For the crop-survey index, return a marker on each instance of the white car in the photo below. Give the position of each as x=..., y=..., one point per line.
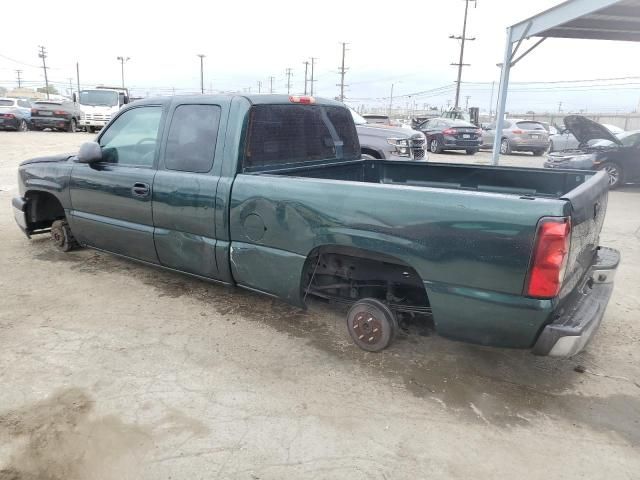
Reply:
x=566, y=141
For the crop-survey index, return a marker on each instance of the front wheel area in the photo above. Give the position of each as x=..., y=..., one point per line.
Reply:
x=62, y=237
x=614, y=172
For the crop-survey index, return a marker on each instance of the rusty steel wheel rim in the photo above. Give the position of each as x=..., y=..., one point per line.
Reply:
x=367, y=327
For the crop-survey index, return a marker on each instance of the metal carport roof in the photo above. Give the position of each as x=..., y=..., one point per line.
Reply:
x=585, y=19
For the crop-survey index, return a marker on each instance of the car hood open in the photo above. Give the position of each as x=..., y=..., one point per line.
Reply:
x=584, y=130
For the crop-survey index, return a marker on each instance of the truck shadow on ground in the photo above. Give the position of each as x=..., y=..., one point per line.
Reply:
x=498, y=387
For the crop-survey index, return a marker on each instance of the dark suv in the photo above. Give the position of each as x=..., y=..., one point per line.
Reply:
x=55, y=114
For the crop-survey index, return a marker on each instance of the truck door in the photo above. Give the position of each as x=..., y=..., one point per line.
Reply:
x=111, y=200
x=184, y=189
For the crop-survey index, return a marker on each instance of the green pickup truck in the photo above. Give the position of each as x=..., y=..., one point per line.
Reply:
x=270, y=193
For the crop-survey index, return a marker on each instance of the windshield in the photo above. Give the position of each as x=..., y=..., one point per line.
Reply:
x=357, y=118
x=106, y=98
x=6, y=103
x=530, y=126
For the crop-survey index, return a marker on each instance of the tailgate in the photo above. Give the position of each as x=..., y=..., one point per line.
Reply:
x=588, y=205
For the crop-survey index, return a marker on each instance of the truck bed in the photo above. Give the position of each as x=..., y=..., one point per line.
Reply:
x=509, y=180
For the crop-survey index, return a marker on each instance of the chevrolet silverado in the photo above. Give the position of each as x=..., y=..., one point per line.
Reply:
x=271, y=193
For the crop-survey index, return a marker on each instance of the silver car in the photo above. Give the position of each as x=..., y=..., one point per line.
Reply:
x=567, y=141
x=518, y=135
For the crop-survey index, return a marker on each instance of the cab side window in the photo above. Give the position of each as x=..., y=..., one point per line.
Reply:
x=132, y=139
x=191, y=143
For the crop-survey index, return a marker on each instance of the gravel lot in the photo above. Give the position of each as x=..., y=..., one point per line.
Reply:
x=112, y=370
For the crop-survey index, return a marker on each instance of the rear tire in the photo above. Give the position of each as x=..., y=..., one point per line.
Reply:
x=62, y=237
x=434, y=146
x=23, y=127
x=91, y=129
x=371, y=324
x=537, y=153
x=366, y=156
x=72, y=126
x=615, y=173
x=472, y=151
x=505, y=147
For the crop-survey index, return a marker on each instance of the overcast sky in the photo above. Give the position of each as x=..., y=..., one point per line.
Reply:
x=403, y=42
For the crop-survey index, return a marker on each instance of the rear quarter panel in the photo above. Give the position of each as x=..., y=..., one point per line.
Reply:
x=471, y=249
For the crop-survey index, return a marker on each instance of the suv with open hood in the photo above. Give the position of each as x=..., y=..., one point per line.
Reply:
x=618, y=155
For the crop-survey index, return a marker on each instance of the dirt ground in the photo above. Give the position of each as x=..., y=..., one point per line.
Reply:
x=111, y=370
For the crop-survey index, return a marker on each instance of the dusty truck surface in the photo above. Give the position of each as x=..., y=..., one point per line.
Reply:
x=271, y=193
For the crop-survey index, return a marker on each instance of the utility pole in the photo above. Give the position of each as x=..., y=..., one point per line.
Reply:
x=201, y=72
x=78, y=76
x=43, y=55
x=391, y=99
x=493, y=84
x=19, y=72
x=462, y=39
x=306, y=67
x=271, y=84
x=288, y=81
x=122, y=61
x=342, y=71
x=70, y=86
x=259, y=86
x=559, y=107
x=466, y=104
x=313, y=63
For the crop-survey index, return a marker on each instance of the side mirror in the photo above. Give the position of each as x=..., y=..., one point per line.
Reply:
x=75, y=98
x=126, y=99
x=90, y=152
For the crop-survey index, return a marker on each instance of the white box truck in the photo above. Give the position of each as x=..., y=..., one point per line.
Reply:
x=99, y=104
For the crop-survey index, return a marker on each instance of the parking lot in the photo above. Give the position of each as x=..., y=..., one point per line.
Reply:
x=114, y=370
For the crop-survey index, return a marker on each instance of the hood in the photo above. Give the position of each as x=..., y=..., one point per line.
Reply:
x=51, y=158
x=584, y=130
x=386, y=131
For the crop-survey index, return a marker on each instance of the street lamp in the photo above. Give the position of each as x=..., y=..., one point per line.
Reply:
x=122, y=61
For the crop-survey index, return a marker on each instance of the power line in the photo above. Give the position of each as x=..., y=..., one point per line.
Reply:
x=43, y=55
x=342, y=71
x=463, y=38
x=288, y=81
x=306, y=67
x=313, y=63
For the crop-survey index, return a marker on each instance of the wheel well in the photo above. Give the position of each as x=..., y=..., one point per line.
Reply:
x=346, y=274
x=43, y=209
x=369, y=151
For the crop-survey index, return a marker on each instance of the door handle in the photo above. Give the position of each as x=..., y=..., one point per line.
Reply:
x=140, y=189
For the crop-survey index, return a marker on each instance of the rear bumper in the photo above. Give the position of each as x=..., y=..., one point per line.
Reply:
x=12, y=123
x=93, y=123
x=580, y=317
x=50, y=122
x=527, y=145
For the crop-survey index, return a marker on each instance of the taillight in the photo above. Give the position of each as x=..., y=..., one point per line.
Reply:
x=550, y=254
x=479, y=131
x=449, y=131
x=9, y=115
x=518, y=132
x=59, y=112
x=33, y=111
x=301, y=99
